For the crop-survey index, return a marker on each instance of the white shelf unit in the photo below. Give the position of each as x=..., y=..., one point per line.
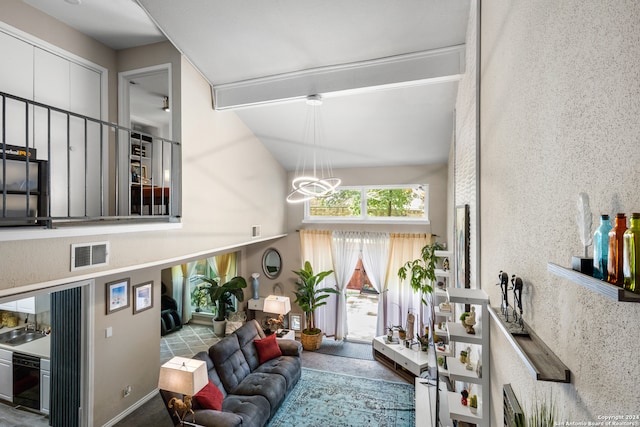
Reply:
x=457, y=371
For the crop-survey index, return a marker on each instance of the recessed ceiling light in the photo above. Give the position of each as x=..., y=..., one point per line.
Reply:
x=74, y=2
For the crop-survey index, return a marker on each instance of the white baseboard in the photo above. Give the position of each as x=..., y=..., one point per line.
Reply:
x=131, y=409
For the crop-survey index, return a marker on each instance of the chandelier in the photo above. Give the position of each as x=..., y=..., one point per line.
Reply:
x=318, y=181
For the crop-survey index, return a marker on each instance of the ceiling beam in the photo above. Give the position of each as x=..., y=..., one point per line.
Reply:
x=421, y=67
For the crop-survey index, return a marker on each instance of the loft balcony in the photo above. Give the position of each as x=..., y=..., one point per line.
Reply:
x=58, y=167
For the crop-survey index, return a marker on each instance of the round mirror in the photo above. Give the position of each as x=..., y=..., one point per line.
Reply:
x=271, y=263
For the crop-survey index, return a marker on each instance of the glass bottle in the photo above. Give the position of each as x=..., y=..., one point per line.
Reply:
x=631, y=258
x=601, y=248
x=614, y=264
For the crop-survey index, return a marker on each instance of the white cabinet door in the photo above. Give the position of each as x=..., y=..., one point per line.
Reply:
x=8, y=306
x=16, y=78
x=33, y=305
x=45, y=385
x=6, y=375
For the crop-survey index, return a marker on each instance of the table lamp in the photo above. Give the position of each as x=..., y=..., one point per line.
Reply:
x=278, y=305
x=184, y=376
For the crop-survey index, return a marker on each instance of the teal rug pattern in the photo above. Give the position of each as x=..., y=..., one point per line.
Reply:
x=354, y=350
x=322, y=399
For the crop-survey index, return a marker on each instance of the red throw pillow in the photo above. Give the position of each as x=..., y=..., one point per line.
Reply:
x=268, y=348
x=210, y=397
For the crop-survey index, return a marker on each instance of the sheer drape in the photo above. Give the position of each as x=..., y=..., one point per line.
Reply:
x=176, y=284
x=346, y=252
x=223, y=262
x=187, y=270
x=400, y=299
x=315, y=247
x=375, y=257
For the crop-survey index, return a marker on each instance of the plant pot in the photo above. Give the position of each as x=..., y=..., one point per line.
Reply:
x=311, y=342
x=218, y=327
x=473, y=410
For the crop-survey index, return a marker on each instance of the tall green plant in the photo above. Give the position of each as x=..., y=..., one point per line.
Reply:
x=422, y=271
x=221, y=294
x=309, y=297
x=542, y=415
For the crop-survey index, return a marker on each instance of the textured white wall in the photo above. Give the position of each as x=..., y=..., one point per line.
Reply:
x=559, y=115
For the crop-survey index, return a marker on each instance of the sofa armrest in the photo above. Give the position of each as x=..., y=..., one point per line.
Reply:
x=290, y=347
x=211, y=418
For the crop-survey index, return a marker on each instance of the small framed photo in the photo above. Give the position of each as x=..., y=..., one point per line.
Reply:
x=142, y=297
x=295, y=322
x=117, y=295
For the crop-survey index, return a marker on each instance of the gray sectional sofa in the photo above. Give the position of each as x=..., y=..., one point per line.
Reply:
x=252, y=391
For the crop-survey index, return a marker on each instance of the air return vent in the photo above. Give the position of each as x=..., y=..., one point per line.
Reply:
x=86, y=255
x=256, y=231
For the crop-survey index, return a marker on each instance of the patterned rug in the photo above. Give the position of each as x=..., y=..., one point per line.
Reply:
x=322, y=399
x=354, y=350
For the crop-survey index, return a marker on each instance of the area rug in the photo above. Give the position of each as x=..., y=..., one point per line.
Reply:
x=322, y=399
x=355, y=350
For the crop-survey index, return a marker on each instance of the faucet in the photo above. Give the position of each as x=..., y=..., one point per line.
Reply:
x=30, y=326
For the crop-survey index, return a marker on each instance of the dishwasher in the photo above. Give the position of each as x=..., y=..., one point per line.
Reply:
x=26, y=380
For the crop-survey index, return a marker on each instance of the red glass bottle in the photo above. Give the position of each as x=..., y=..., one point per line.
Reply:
x=616, y=242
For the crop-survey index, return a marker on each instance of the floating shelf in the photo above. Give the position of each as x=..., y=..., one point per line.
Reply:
x=462, y=413
x=457, y=332
x=467, y=296
x=604, y=288
x=541, y=362
x=443, y=254
x=458, y=371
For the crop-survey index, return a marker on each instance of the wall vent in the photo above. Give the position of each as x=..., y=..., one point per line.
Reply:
x=86, y=255
x=256, y=231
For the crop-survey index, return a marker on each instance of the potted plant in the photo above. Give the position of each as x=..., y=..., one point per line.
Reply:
x=221, y=296
x=310, y=297
x=422, y=274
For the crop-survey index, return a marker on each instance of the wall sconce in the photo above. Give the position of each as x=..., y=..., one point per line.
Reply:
x=183, y=376
x=165, y=104
x=278, y=305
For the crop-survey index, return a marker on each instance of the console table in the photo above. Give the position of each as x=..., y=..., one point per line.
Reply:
x=408, y=362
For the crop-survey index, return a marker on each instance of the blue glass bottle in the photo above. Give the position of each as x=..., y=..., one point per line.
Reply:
x=601, y=248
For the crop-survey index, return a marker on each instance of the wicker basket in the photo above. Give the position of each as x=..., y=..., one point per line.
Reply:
x=311, y=342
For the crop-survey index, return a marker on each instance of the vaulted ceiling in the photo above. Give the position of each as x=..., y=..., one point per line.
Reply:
x=387, y=71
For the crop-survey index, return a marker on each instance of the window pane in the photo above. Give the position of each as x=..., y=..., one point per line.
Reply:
x=395, y=202
x=342, y=203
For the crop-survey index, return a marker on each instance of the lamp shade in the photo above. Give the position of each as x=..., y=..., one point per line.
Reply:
x=184, y=376
x=277, y=304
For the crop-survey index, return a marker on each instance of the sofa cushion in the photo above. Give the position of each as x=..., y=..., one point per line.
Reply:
x=213, y=374
x=289, y=367
x=229, y=361
x=271, y=386
x=249, y=332
x=254, y=410
x=267, y=348
x=210, y=397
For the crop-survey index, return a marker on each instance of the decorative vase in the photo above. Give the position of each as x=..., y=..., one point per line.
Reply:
x=631, y=258
x=255, y=285
x=616, y=239
x=601, y=248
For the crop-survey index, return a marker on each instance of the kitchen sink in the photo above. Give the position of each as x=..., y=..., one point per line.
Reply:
x=19, y=336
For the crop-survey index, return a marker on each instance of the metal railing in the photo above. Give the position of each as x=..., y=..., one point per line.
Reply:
x=57, y=166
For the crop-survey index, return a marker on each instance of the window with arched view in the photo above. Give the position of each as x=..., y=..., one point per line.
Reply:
x=371, y=203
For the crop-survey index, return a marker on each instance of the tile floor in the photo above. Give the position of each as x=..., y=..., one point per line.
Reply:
x=188, y=341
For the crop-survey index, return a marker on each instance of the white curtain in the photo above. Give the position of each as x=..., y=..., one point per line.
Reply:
x=346, y=252
x=400, y=299
x=315, y=247
x=187, y=271
x=375, y=257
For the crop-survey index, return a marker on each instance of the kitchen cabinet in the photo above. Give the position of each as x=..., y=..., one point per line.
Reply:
x=8, y=306
x=6, y=375
x=45, y=384
x=34, y=305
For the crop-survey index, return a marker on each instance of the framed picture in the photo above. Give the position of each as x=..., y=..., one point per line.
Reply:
x=462, y=246
x=117, y=295
x=142, y=297
x=295, y=322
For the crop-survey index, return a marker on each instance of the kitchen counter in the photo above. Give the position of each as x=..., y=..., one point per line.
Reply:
x=40, y=347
